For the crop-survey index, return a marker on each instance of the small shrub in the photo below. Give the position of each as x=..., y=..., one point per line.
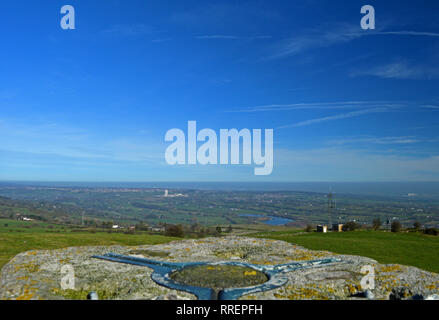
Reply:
x=431, y=231
x=140, y=226
x=309, y=228
x=174, y=231
x=202, y=233
x=396, y=226
x=351, y=226
x=376, y=223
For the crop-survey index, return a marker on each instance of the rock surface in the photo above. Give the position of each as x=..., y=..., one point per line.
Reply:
x=37, y=274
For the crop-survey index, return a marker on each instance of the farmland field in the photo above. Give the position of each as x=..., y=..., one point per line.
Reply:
x=16, y=238
x=409, y=248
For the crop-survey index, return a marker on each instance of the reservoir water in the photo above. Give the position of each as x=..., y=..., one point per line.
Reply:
x=273, y=221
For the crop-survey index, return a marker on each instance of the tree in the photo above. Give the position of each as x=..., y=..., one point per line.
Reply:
x=107, y=224
x=194, y=227
x=202, y=233
x=417, y=226
x=218, y=230
x=351, y=226
x=396, y=226
x=172, y=230
x=309, y=228
x=141, y=226
x=376, y=223
x=229, y=229
x=431, y=231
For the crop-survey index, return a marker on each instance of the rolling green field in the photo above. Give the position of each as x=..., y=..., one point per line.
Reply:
x=413, y=249
x=16, y=238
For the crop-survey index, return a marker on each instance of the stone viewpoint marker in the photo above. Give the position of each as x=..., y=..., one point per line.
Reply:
x=37, y=274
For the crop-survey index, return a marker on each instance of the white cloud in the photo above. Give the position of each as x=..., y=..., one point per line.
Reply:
x=342, y=164
x=375, y=140
x=51, y=139
x=323, y=106
x=400, y=70
x=315, y=39
x=325, y=37
x=431, y=107
x=410, y=33
x=341, y=116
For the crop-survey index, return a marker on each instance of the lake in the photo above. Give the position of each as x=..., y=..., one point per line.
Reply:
x=273, y=221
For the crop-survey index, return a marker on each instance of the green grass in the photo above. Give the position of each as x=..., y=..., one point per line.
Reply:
x=413, y=249
x=22, y=239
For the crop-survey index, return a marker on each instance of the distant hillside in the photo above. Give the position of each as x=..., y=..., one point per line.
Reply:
x=37, y=210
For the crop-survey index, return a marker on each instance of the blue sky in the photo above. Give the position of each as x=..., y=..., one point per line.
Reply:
x=94, y=104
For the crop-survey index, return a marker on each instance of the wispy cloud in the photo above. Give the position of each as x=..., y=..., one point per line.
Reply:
x=322, y=106
x=326, y=164
x=315, y=39
x=401, y=140
x=325, y=37
x=400, y=70
x=434, y=107
x=409, y=33
x=161, y=40
x=52, y=139
x=340, y=116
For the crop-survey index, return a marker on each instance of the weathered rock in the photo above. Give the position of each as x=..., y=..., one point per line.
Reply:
x=368, y=294
x=400, y=293
x=37, y=274
x=169, y=296
x=92, y=296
